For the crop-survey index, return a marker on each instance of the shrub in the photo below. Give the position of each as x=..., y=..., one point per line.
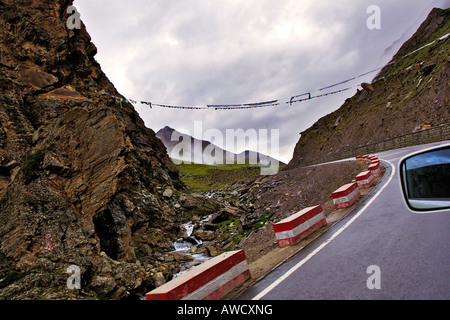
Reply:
x=31, y=165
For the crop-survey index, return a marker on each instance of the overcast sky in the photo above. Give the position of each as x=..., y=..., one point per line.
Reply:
x=200, y=52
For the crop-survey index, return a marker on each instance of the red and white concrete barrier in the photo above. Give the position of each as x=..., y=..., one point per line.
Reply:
x=295, y=228
x=365, y=179
x=346, y=195
x=364, y=158
x=211, y=280
x=369, y=159
x=375, y=169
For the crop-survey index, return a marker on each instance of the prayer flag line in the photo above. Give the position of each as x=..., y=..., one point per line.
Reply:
x=291, y=100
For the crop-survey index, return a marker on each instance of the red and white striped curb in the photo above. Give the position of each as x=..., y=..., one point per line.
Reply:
x=295, y=228
x=346, y=195
x=375, y=169
x=366, y=158
x=211, y=280
x=365, y=179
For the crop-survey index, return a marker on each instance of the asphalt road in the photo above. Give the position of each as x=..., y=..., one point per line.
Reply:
x=411, y=252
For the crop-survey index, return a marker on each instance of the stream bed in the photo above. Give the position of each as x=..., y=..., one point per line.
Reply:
x=184, y=246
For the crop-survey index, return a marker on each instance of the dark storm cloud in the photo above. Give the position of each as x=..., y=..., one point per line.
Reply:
x=199, y=52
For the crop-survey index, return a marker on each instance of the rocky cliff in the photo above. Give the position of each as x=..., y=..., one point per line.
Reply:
x=81, y=178
x=406, y=102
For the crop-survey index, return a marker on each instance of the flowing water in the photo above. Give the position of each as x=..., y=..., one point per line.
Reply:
x=184, y=246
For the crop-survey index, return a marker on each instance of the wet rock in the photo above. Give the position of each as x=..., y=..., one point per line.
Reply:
x=204, y=235
x=193, y=249
x=209, y=226
x=182, y=257
x=189, y=239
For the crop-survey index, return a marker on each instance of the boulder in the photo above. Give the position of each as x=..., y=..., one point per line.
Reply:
x=102, y=284
x=158, y=279
x=182, y=257
x=194, y=201
x=204, y=235
x=367, y=86
x=212, y=252
x=227, y=213
x=167, y=193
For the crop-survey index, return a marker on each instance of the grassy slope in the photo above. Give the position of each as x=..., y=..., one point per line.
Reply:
x=202, y=178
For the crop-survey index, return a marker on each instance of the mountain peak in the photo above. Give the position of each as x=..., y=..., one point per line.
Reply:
x=166, y=128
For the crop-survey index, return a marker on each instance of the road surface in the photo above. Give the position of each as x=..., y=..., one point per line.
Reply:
x=380, y=251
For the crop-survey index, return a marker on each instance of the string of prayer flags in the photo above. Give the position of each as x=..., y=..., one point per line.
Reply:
x=318, y=96
x=260, y=104
x=336, y=84
x=333, y=92
x=291, y=100
x=147, y=103
x=245, y=105
x=228, y=107
x=268, y=103
x=398, y=71
x=365, y=73
x=178, y=107
x=300, y=95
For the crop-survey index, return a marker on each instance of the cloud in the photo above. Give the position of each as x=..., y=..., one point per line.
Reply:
x=199, y=52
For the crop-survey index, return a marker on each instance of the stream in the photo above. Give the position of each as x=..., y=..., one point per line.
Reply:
x=184, y=246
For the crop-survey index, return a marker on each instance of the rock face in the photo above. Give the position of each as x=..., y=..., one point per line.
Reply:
x=81, y=177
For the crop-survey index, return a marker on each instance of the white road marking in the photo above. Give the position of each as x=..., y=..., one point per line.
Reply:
x=313, y=253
